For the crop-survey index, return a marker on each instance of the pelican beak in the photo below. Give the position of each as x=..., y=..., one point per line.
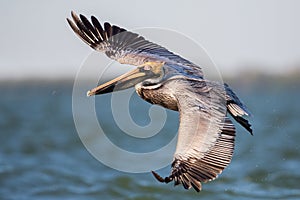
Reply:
x=122, y=82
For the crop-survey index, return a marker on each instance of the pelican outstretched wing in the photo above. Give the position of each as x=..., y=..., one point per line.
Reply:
x=205, y=137
x=124, y=46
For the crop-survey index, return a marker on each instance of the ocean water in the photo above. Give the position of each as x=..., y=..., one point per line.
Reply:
x=42, y=157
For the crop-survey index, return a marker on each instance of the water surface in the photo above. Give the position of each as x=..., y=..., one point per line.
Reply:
x=42, y=157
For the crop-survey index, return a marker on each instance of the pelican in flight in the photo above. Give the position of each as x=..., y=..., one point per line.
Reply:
x=206, y=134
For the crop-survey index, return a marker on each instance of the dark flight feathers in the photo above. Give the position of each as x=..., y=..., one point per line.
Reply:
x=122, y=45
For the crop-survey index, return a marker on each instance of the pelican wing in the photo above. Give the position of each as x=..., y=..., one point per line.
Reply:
x=205, y=137
x=124, y=46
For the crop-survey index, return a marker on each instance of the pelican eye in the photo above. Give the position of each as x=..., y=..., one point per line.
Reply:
x=147, y=67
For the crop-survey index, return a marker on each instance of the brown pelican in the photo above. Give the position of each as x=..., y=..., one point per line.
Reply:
x=206, y=135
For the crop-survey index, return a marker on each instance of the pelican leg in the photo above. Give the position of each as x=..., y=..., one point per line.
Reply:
x=161, y=179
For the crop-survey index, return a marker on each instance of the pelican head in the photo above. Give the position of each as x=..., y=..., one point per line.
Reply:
x=149, y=73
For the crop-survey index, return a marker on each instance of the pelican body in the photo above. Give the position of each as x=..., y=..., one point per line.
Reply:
x=206, y=134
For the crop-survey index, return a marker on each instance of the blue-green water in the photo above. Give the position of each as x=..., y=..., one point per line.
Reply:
x=42, y=157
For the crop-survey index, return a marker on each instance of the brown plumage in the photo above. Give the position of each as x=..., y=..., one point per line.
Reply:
x=206, y=135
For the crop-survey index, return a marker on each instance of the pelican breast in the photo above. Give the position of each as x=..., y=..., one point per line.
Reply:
x=160, y=94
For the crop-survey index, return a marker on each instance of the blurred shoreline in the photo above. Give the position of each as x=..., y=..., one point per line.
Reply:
x=246, y=80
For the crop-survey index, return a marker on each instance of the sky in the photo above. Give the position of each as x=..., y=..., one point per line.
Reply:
x=250, y=35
